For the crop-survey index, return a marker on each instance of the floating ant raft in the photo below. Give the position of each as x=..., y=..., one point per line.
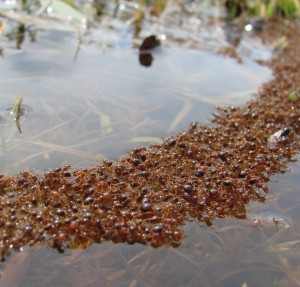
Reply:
x=146, y=197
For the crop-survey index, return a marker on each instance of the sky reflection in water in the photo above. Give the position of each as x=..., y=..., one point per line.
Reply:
x=104, y=102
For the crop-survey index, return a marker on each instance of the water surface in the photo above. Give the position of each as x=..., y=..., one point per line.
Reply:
x=104, y=102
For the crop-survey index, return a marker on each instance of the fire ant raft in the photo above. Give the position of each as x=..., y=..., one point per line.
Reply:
x=147, y=196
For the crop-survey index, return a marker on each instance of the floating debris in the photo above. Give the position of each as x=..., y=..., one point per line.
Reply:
x=269, y=220
x=278, y=136
x=149, y=43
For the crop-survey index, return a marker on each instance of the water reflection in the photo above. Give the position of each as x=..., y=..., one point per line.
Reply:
x=145, y=59
x=81, y=115
x=19, y=33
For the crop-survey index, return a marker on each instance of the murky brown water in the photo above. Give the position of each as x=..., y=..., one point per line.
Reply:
x=105, y=103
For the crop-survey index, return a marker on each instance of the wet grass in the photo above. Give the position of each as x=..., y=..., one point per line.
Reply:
x=265, y=9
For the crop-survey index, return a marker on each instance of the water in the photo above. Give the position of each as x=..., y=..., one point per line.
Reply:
x=103, y=104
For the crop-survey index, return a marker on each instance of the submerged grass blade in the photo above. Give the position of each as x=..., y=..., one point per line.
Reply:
x=146, y=139
x=184, y=111
x=16, y=111
x=285, y=246
x=79, y=43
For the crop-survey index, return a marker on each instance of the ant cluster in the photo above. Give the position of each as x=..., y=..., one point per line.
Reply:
x=146, y=197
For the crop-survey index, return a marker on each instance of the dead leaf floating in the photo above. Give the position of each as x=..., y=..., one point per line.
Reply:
x=149, y=43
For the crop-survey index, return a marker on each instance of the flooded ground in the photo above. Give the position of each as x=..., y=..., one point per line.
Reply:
x=102, y=104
